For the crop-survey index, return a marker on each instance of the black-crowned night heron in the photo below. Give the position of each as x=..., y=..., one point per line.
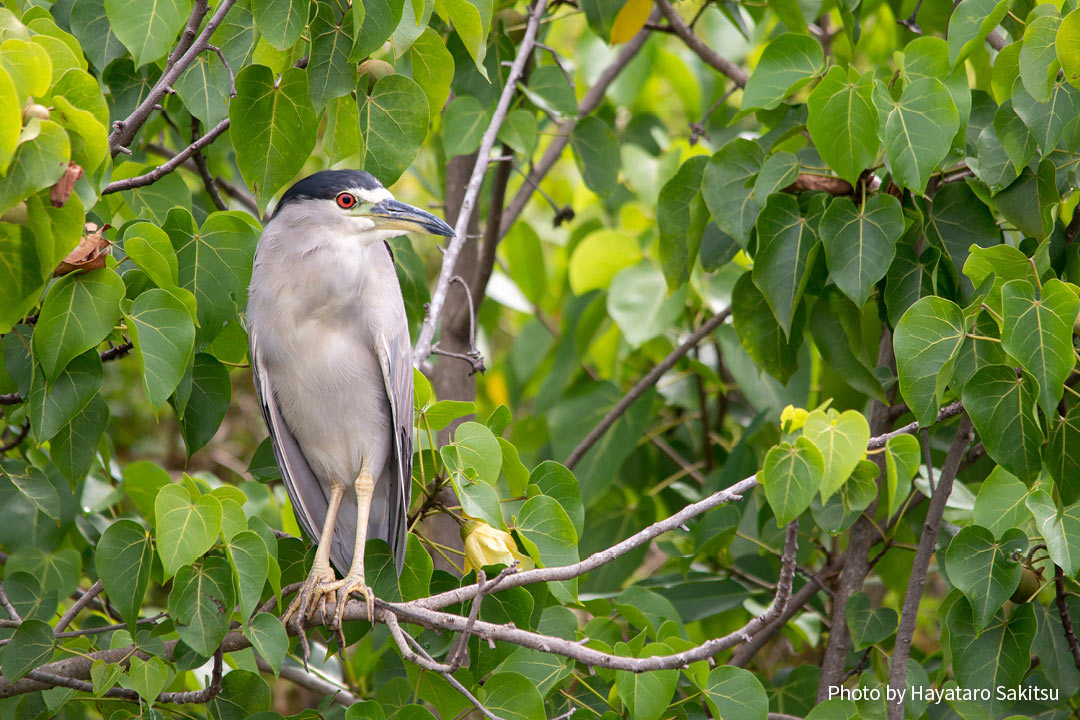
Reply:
x=333, y=370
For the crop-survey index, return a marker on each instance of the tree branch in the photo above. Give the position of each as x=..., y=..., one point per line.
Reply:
x=427, y=332
x=927, y=543
x=589, y=102
x=162, y=170
x=1066, y=618
x=186, y=51
x=650, y=379
x=706, y=53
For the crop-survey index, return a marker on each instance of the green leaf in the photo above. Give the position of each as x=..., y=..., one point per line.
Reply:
x=917, y=130
x=210, y=393
x=444, y=412
x=36, y=488
x=342, y=137
x=842, y=439
x=148, y=246
x=639, y=304
x=598, y=257
x=860, y=242
x=205, y=88
x=123, y=558
x=474, y=448
x=164, y=338
x=1038, y=57
x=376, y=21
x=970, y=24
x=185, y=529
x=79, y=312
x=30, y=647
x=513, y=697
x=926, y=342
x=142, y=482
x=280, y=21
x=842, y=122
x=464, y=123
x=148, y=30
x=556, y=481
x=999, y=656
x=147, y=677
x=433, y=69
x=104, y=676
x=1004, y=262
x=519, y=131
x=648, y=694
x=75, y=446
x=1002, y=405
x=681, y=216
x=273, y=127
x=1000, y=504
x=779, y=170
x=792, y=475
x=525, y=253
x=30, y=70
x=549, y=88
x=787, y=248
x=201, y=602
x=728, y=191
x=830, y=324
x=775, y=351
x=788, y=62
x=1062, y=455
x=330, y=74
x=251, y=563
x=393, y=124
x=415, y=581
x=1067, y=46
x=597, y=154
x=549, y=536
x=269, y=638
x=1038, y=333
x=1047, y=120
x=214, y=263
x=986, y=570
x=10, y=118
x=38, y=163
x=1060, y=529
x=869, y=627
x=902, y=462
x=53, y=408
x=735, y=692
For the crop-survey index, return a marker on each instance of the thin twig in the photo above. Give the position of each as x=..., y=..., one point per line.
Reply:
x=927, y=543
x=18, y=439
x=589, y=102
x=706, y=53
x=162, y=170
x=78, y=606
x=442, y=287
x=1066, y=618
x=204, y=172
x=11, y=611
x=186, y=51
x=650, y=379
x=310, y=681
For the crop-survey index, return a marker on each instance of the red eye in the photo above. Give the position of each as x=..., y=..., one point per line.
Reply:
x=346, y=200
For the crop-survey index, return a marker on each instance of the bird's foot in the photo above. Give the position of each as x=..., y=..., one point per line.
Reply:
x=346, y=587
x=319, y=588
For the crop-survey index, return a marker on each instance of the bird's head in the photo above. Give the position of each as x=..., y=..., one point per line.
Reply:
x=354, y=205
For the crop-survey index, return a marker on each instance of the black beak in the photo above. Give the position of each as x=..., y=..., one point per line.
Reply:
x=398, y=215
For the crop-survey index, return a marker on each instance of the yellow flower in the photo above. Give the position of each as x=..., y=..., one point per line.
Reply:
x=485, y=545
x=792, y=418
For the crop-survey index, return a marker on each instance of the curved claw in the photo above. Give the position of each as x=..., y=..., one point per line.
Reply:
x=318, y=589
x=344, y=589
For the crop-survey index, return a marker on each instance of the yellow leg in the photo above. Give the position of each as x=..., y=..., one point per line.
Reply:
x=354, y=581
x=319, y=586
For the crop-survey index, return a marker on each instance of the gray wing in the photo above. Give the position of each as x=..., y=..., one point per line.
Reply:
x=305, y=491
x=395, y=359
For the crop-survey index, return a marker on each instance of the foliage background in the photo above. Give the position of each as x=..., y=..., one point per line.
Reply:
x=821, y=252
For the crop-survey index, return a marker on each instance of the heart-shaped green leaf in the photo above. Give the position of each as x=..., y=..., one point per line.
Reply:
x=1062, y=454
x=868, y=627
x=860, y=242
x=646, y=694
x=842, y=439
x=268, y=637
x=164, y=338
x=251, y=563
x=984, y=569
x=901, y=463
x=843, y=122
x=124, y=558
x=787, y=248
x=917, y=130
x=30, y=647
x=79, y=311
x=1060, y=529
x=926, y=342
x=147, y=677
x=1038, y=333
x=792, y=474
x=185, y=529
x=736, y=693
x=201, y=603
x=1002, y=405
